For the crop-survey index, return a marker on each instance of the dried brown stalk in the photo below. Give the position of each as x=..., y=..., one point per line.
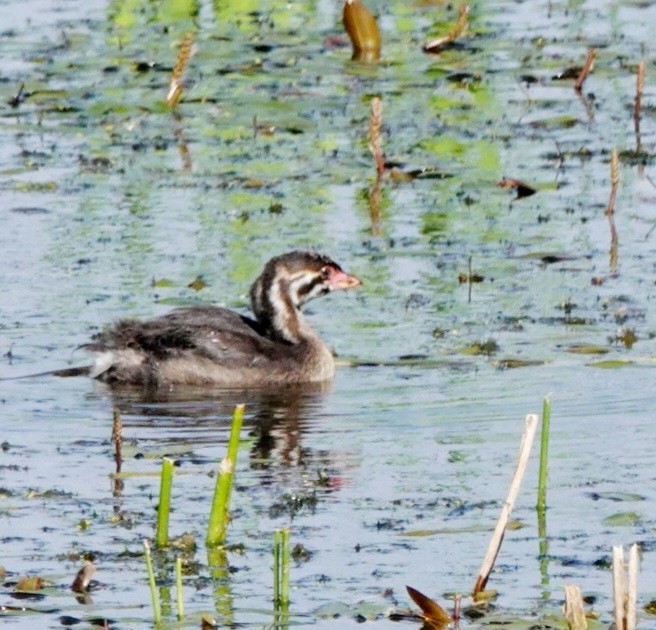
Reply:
x=614, y=182
x=586, y=70
x=436, y=45
x=574, y=613
x=375, y=126
x=640, y=88
x=530, y=425
x=610, y=209
x=117, y=438
x=360, y=24
x=175, y=85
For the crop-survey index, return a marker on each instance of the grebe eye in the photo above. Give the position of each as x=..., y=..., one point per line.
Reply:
x=326, y=272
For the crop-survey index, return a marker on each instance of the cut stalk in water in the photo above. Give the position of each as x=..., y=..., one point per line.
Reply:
x=530, y=425
x=574, y=612
x=220, y=514
x=544, y=455
x=164, y=506
x=625, y=587
x=178, y=588
x=154, y=598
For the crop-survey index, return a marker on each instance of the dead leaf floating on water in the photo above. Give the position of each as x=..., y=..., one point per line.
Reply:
x=431, y=612
x=361, y=27
x=522, y=188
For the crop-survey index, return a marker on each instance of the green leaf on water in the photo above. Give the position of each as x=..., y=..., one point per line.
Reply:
x=611, y=364
x=582, y=348
x=622, y=519
x=163, y=282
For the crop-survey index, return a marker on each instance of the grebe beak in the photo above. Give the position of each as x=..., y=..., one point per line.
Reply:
x=340, y=280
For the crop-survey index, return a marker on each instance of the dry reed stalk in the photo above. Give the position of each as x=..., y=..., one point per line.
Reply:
x=632, y=590
x=574, y=613
x=619, y=587
x=375, y=126
x=436, y=45
x=640, y=88
x=117, y=438
x=610, y=209
x=530, y=426
x=586, y=70
x=175, y=85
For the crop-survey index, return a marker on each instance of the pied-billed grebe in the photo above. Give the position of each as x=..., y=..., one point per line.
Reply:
x=209, y=345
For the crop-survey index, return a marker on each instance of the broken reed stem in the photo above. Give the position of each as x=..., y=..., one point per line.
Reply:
x=640, y=88
x=574, y=612
x=175, y=85
x=164, y=505
x=587, y=68
x=178, y=588
x=154, y=598
x=435, y=45
x=618, y=586
x=220, y=513
x=632, y=594
x=375, y=126
x=544, y=455
x=530, y=426
x=625, y=588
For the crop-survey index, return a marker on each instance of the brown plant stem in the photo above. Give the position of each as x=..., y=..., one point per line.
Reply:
x=610, y=209
x=640, y=88
x=175, y=85
x=375, y=126
x=587, y=68
x=436, y=45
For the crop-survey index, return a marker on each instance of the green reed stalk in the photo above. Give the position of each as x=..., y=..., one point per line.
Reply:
x=281, y=569
x=178, y=587
x=277, y=554
x=284, y=587
x=220, y=514
x=157, y=613
x=544, y=455
x=164, y=507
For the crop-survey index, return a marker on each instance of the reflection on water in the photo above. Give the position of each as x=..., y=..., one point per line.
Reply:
x=275, y=418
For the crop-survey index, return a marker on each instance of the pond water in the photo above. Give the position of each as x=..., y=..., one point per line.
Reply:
x=113, y=205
